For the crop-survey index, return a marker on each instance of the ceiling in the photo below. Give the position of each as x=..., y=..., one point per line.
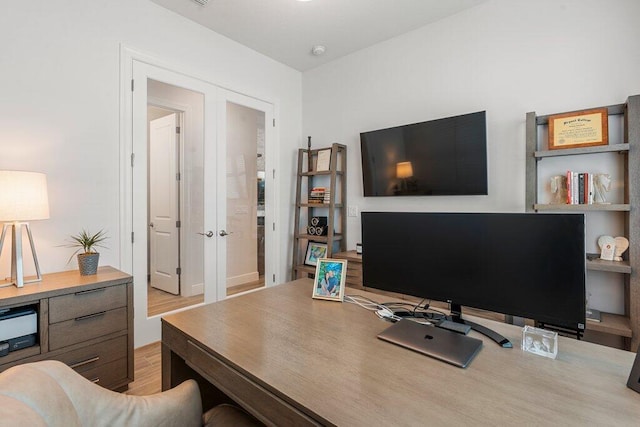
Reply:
x=287, y=30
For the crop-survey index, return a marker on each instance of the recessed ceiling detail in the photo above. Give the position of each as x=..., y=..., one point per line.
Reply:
x=284, y=29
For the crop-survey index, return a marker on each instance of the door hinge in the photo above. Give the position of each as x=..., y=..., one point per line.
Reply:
x=178, y=271
x=133, y=156
x=178, y=129
x=273, y=280
x=132, y=237
x=274, y=226
x=131, y=85
x=178, y=176
x=178, y=224
x=274, y=122
x=273, y=174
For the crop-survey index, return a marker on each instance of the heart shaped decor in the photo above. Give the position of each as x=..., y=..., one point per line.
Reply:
x=603, y=241
x=622, y=244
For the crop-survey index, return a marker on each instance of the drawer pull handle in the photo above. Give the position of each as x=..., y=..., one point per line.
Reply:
x=90, y=291
x=85, y=362
x=89, y=316
x=95, y=380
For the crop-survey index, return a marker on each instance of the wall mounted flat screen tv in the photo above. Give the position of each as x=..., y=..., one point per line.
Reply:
x=444, y=157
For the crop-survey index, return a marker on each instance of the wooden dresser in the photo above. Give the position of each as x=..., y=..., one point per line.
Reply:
x=354, y=268
x=83, y=321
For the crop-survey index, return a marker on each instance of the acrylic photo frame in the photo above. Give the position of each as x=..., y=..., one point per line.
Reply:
x=540, y=341
x=330, y=279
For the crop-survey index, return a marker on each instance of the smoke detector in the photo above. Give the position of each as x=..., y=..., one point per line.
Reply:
x=318, y=50
x=202, y=2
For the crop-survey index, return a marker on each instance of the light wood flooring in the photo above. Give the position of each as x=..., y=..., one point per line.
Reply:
x=148, y=370
x=147, y=359
x=163, y=302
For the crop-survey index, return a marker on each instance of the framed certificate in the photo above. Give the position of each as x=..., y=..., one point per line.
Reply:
x=324, y=160
x=578, y=129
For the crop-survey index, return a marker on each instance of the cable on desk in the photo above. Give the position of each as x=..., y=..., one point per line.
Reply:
x=371, y=305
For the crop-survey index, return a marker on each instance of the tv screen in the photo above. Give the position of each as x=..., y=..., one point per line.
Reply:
x=434, y=158
x=520, y=264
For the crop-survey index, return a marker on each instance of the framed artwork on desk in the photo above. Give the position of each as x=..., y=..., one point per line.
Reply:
x=330, y=279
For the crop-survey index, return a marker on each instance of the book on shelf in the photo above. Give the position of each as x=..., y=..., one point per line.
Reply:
x=580, y=189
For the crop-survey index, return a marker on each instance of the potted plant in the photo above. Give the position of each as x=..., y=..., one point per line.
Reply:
x=88, y=258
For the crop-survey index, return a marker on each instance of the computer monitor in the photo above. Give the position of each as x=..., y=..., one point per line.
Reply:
x=521, y=264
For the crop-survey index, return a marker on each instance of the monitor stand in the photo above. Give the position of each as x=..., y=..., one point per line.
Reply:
x=456, y=316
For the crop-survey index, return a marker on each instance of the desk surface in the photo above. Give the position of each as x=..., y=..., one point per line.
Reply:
x=323, y=358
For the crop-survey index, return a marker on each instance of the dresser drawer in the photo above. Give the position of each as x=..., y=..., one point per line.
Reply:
x=83, y=303
x=108, y=375
x=87, y=327
x=92, y=356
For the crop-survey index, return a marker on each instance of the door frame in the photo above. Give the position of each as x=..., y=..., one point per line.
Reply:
x=271, y=257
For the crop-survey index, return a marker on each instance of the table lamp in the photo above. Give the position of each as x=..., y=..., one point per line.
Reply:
x=23, y=197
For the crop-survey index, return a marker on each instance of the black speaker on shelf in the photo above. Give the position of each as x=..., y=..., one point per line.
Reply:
x=318, y=221
x=317, y=226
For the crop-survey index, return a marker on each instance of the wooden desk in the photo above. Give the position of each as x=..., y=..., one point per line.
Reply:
x=293, y=360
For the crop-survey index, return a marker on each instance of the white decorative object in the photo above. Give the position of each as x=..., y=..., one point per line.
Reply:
x=559, y=189
x=601, y=185
x=622, y=244
x=607, y=247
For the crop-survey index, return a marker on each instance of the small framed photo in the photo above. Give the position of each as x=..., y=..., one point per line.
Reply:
x=330, y=278
x=324, y=160
x=540, y=341
x=315, y=251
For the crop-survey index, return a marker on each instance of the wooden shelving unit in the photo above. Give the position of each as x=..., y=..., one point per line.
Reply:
x=334, y=180
x=625, y=325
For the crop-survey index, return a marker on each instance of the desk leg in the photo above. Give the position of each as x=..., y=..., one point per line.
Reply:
x=166, y=356
x=175, y=370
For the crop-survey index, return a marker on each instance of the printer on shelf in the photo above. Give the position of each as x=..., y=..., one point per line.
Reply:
x=18, y=328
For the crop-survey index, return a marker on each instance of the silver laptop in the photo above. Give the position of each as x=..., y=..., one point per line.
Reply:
x=435, y=342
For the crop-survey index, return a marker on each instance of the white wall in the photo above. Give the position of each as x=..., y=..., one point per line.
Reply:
x=506, y=57
x=59, y=108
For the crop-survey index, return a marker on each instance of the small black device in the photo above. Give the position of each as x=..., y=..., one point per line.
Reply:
x=450, y=325
x=19, y=343
x=317, y=226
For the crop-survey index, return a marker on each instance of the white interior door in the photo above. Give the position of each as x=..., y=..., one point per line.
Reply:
x=198, y=194
x=163, y=205
x=246, y=212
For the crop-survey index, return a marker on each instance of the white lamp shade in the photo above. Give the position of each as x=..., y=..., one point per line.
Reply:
x=23, y=196
x=404, y=170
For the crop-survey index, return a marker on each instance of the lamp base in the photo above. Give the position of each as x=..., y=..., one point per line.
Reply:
x=17, y=268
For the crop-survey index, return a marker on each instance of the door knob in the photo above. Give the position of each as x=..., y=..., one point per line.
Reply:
x=151, y=224
x=223, y=233
x=208, y=233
